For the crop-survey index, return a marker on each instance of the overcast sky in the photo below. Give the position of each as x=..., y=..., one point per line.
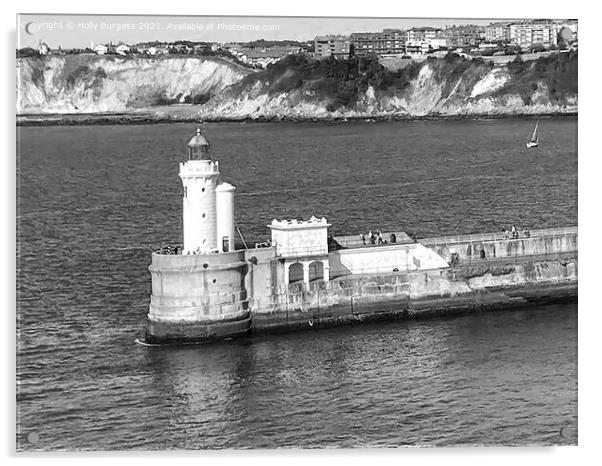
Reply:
x=80, y=31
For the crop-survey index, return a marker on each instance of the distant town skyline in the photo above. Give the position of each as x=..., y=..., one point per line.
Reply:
x=79, y=31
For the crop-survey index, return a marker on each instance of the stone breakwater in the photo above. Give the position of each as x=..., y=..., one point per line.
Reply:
x=471, y=288
x=243, y=292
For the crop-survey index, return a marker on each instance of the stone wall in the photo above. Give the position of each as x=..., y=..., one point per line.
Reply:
x=199, y=288
x=499, y=284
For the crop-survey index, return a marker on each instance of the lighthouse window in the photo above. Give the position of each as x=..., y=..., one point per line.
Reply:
x=203, y=215
x=203, y=190
x=214, y=280
x=185, y=191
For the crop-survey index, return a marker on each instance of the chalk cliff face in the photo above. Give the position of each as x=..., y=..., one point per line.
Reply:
x=89, y=84
x=295, y=88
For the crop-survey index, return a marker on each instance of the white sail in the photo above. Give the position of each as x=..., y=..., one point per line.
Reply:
x=535, y=136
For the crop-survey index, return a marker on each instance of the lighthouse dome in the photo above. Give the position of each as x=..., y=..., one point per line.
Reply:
x=198, y=147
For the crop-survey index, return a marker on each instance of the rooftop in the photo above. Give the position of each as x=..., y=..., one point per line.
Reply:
x=198, y=139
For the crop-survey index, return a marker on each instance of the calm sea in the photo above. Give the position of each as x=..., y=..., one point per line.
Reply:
x=93, y=201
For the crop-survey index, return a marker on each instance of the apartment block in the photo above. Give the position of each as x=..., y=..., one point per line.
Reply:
x=327, y=46
x=387, y=42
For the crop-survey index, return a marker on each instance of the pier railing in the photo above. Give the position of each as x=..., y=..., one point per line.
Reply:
x=497, y=236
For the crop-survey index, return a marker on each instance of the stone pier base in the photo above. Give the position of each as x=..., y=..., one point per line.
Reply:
x=186, y=332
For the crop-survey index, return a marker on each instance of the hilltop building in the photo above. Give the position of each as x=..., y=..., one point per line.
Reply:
x=497, y=32
x=423, y=34
x=465, y=36
x=331, y=46
x=528, y=33
x=420, y=41
x=100, y=49
x=389, y=42
x=122, y=49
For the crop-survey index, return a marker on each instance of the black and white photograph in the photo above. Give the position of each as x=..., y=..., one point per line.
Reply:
x=296, y=232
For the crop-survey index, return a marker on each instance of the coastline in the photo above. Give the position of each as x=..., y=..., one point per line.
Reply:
x=100, y=119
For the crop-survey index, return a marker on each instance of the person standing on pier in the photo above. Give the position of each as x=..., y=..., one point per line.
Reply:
x=363, y=238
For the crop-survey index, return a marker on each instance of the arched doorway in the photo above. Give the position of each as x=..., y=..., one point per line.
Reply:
x=316, y=271
x=295, y=272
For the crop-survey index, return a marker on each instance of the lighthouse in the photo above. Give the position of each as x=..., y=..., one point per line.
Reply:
x=200, y=294
x=208, y=205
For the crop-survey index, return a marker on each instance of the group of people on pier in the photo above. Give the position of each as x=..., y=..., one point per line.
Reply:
x=513, y=232
x=376, y=238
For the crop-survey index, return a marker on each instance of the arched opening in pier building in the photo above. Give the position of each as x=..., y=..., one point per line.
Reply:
x=316, y=271
x=295, y=272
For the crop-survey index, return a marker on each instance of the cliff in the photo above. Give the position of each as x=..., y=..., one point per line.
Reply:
x=362, y=88
x=91, y=84
x=296, y=87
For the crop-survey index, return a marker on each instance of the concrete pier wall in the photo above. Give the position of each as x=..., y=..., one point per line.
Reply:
x=415, y=294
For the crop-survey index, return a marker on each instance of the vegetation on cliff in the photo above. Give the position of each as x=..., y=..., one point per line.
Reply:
x=343, y=82
x=557, y=72
x=340, y=80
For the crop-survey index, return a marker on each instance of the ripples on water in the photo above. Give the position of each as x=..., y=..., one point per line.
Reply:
x=93, y=199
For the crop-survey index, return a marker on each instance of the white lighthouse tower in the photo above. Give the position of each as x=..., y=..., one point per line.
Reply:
x=208, y=206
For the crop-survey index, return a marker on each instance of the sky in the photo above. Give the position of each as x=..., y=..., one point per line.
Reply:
x=78, y=31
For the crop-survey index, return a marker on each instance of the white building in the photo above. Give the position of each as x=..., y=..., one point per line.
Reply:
x=303, y=245
x=122, y=49
x=437, y=43
x=497, y=32
x=529, y=33
x=417, y=47
x=100, y=49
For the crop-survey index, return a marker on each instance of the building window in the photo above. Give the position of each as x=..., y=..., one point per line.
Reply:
x=203, y=190
x=203, y=214
x=185, y=191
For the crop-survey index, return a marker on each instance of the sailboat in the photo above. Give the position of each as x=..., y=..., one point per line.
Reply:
x=534, y=142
